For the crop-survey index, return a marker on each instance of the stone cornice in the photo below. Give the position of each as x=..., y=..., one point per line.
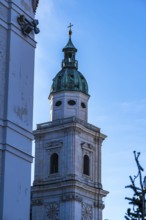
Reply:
x=71, y=197
x=66, y=121
x=71, y=122
x=74, y=184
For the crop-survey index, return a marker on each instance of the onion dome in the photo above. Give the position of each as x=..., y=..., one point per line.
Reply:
x=69, y=78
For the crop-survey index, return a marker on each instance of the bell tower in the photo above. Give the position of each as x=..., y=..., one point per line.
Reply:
x=67, y=183
x=17, y=47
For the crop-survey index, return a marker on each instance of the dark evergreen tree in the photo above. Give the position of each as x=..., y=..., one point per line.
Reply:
x=137, y=212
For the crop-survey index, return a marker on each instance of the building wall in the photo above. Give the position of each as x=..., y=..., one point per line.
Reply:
x=16, y=108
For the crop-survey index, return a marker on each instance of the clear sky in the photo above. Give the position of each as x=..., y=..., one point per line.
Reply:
x=110, y=36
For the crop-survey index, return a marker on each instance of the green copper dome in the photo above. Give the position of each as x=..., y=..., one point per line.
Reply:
x=69, y=78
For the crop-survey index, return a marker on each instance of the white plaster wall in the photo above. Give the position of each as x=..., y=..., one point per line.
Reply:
x=25, y=5
x=21, y=76
x=16, y=98
x=0, y=172
x=3, y=47
x=16, y=64
x=19, y=141
x=16, y=201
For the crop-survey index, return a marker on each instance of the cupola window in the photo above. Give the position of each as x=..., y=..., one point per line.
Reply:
x=70, y=55
x=54, y=163
x=86, y=165
x=58, y=103
x=83, y=105
x=71, y=102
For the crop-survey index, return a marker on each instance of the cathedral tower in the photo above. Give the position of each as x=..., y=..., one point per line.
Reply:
x=17, y=45
x=67, y=184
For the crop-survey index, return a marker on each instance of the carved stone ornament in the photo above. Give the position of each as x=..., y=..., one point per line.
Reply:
x=99, y=204
x=28, y=26
x=87, y=212
x=54, y=144
x=35, y=5
x=53, y=147
x=87, y=146
x=52, y=211
x=71, y=197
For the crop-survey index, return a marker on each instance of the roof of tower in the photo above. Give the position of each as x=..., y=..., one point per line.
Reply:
x=69, y=46
x=69, y=78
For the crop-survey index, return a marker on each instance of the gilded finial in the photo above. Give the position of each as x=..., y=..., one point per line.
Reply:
x=70, y=31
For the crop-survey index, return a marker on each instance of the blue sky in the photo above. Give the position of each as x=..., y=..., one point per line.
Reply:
x=110, y=36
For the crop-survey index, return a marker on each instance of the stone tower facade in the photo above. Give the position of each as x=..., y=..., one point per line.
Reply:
x=67, y=184
x=17, y=45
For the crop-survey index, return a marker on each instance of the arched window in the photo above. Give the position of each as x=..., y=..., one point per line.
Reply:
x=54, y=163
x=86, y=165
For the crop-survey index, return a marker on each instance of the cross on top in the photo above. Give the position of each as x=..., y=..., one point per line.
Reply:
x=70, y=25
x=70, y=31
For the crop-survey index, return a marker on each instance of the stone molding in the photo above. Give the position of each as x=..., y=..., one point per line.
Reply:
x=73, y=119
x=71, y=197
x=3, y=13
x=37, y=202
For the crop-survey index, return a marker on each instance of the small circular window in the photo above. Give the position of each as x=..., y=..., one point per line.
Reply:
x=71, y=102
x=83, y=105
x=58, y=103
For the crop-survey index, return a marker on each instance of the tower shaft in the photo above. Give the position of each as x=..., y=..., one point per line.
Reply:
x=67, y=182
